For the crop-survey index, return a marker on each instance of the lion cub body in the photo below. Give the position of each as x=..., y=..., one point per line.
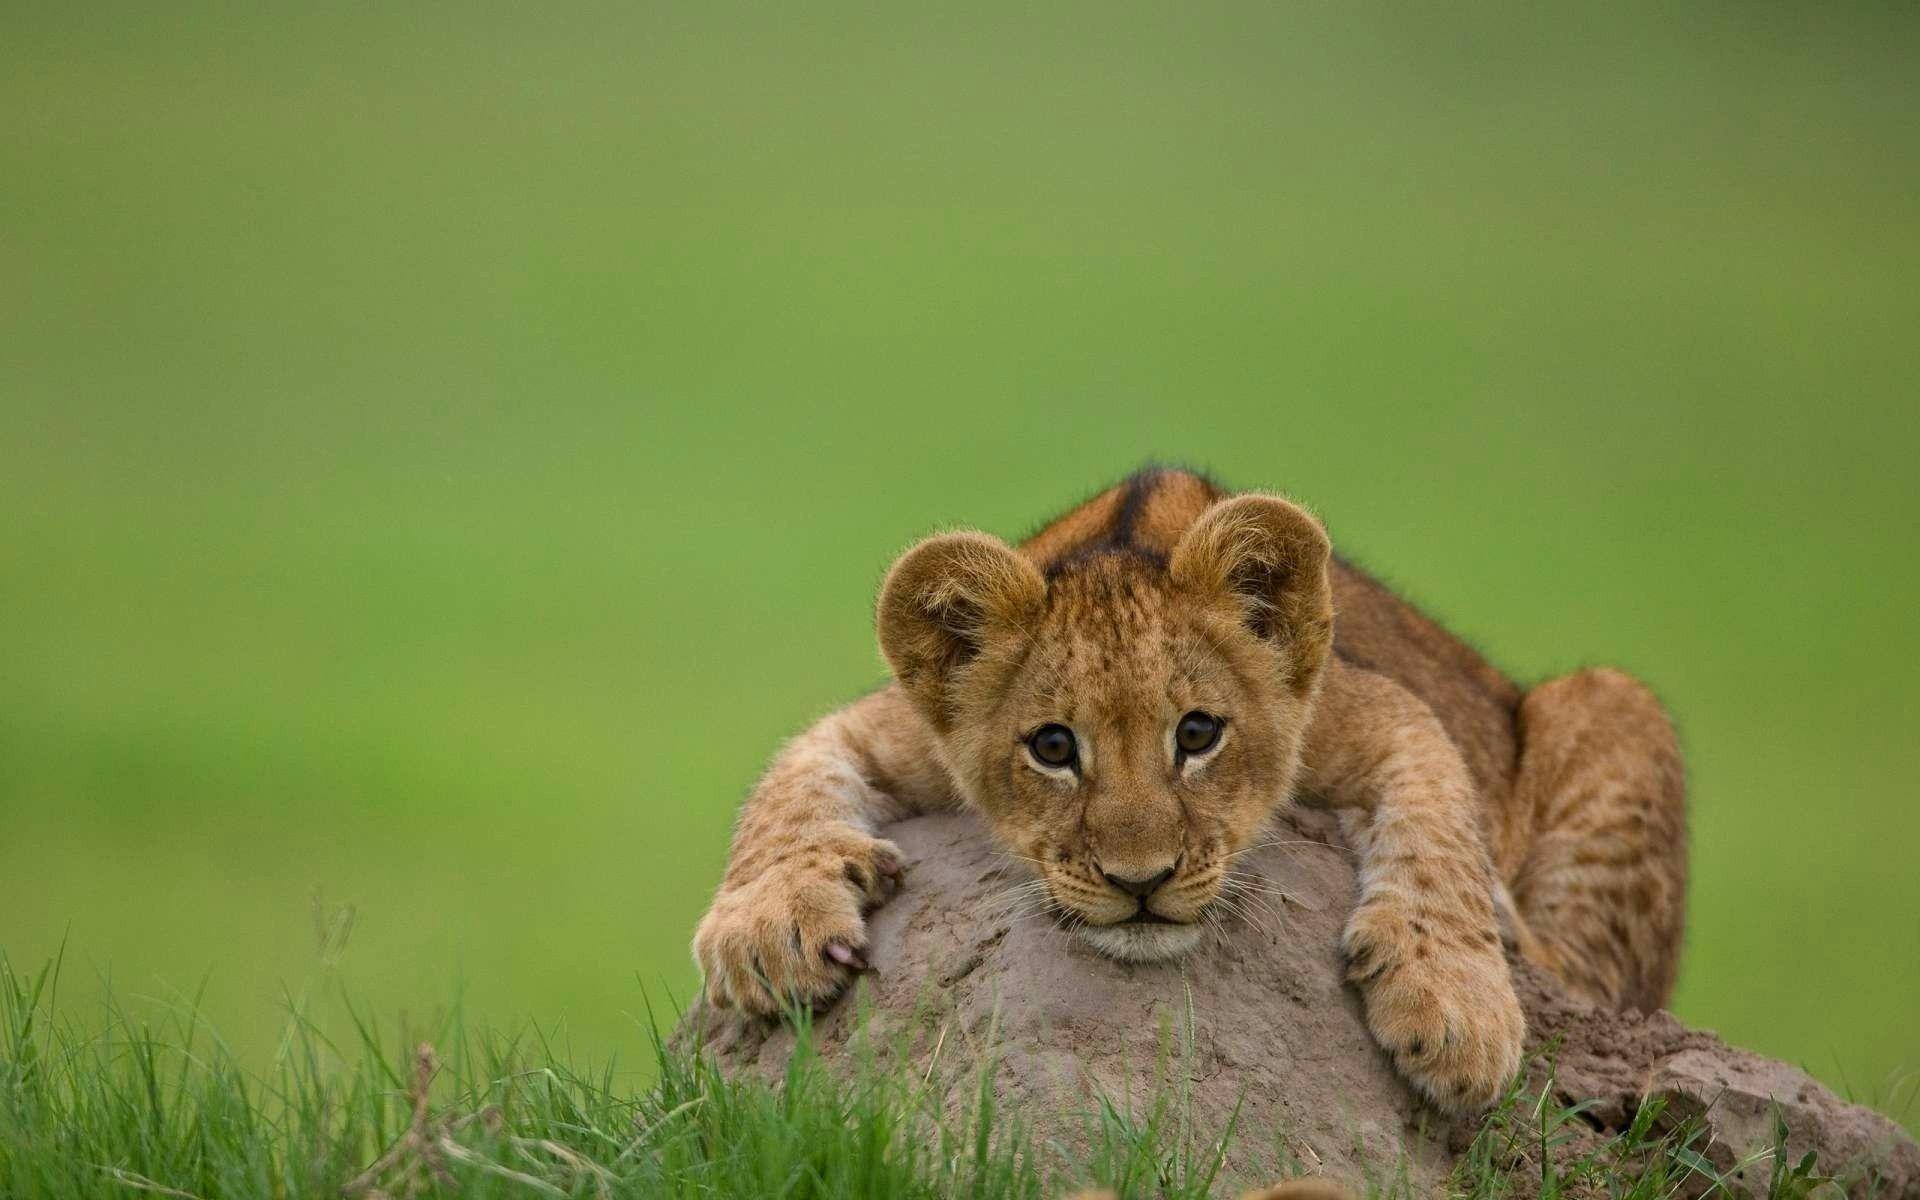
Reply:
x=1555, y=815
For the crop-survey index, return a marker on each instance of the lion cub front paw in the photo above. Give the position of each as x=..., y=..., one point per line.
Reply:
x=1440, y=1000
x=797, y=932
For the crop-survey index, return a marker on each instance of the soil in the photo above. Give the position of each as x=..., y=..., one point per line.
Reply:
x=1260, y=1021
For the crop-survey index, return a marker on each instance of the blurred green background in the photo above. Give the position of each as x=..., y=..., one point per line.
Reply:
x=444, y=449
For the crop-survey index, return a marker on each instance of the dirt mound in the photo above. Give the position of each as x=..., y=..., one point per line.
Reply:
x=1260, y=1021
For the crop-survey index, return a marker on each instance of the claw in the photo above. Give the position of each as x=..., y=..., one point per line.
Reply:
x=847, y=956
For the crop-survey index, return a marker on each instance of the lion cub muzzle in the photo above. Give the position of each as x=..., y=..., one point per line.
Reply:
x=1138, y=886
x=1141, y=914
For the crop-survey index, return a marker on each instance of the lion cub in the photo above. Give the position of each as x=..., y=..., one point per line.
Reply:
x=1128, y=697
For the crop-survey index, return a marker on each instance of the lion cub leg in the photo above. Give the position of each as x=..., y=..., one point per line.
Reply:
x=788, y=924
x=1423, y=944
x=1601, y=884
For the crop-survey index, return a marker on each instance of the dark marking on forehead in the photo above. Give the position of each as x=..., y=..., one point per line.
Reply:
x=1079, y=560
x=1140, y=518
x=1118, y=581
x=1135, y=494
x=1133, y=498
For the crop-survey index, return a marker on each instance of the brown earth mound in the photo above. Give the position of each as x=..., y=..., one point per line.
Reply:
x=1274, y=1030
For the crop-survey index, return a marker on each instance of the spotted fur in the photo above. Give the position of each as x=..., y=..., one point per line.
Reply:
x=1554, y=816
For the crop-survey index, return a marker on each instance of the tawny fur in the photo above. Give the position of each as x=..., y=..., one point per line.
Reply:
x=1555, y=815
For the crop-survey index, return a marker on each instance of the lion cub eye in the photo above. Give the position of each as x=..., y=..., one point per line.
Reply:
x=1196, y=733
x=1052, y=745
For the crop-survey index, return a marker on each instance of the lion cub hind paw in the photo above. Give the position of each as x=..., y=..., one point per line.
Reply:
x=1447, y=1015
x=796, y=935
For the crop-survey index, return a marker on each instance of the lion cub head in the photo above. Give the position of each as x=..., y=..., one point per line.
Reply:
x=1127, y=718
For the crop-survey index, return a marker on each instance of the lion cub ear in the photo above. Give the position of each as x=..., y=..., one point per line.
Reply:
x=943, y=603
x=1272, y=557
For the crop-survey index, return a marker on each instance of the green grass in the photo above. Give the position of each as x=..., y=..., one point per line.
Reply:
x=444, y=449
x=145, y=1099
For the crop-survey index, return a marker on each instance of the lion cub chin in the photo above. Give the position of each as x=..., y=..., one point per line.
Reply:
x=1142, y=943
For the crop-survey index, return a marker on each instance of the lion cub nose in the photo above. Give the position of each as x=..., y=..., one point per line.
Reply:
x=1141, y=886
